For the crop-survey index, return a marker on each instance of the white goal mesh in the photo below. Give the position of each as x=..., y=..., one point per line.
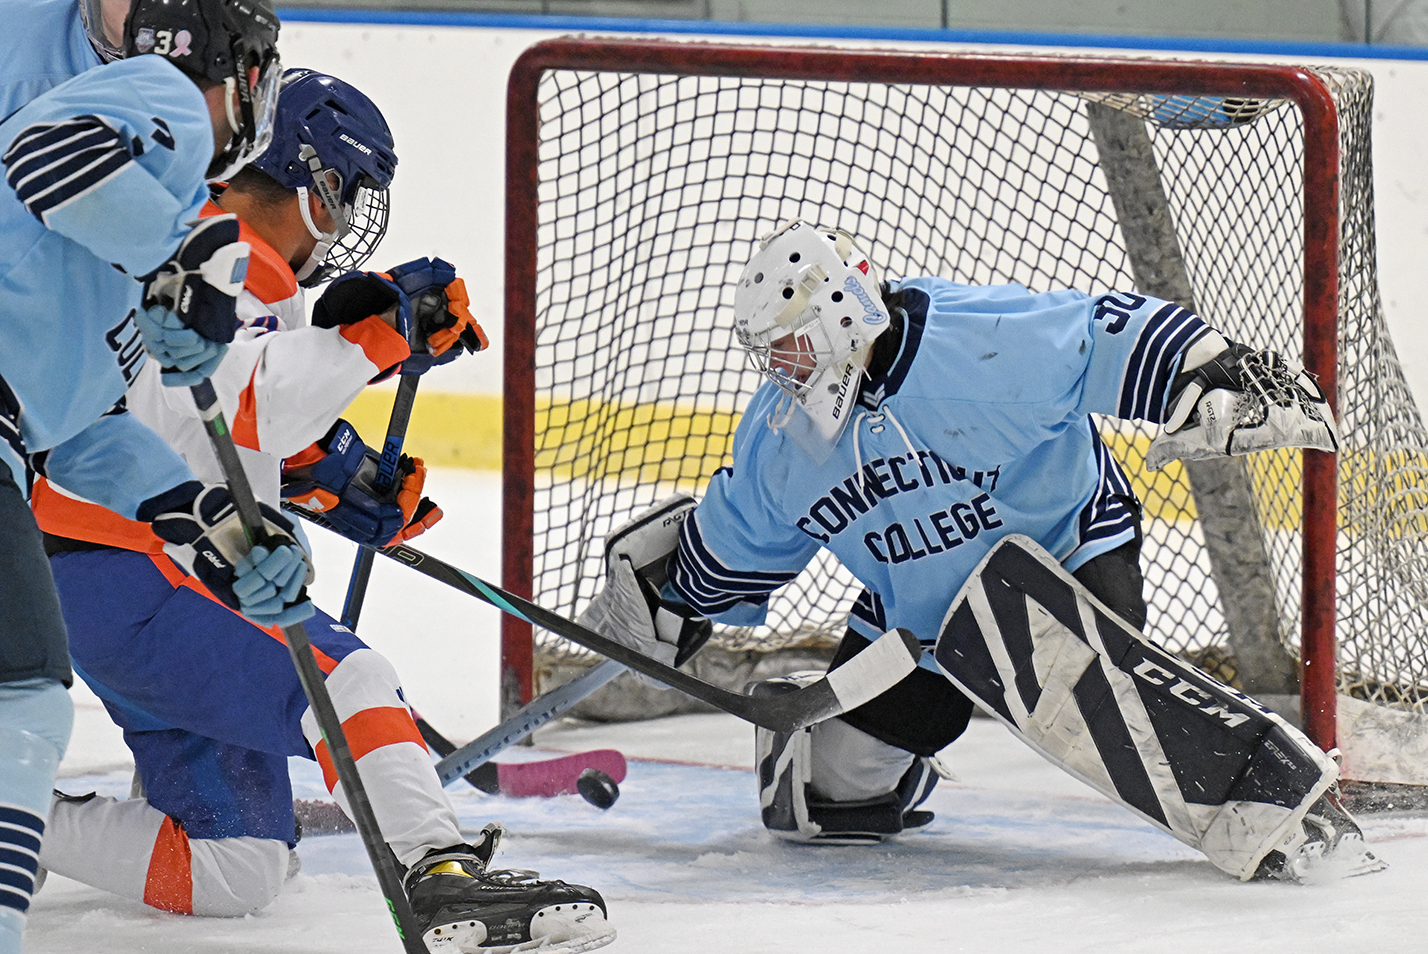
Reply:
x=652, y=185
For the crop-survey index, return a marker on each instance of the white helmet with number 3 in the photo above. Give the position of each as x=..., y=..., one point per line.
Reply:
x=807, y=310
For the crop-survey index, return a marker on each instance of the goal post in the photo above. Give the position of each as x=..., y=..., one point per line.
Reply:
x=639, y=174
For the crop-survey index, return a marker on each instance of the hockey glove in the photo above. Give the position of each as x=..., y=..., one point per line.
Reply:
x=199, y=285
x=630, y=608
x=1239, y=401
x=185, y=357
x=342, y=486
x=355, y=296
x=204, y=536
x=442, y=325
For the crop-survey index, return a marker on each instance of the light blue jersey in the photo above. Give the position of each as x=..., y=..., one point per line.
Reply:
x=102, y=174
x=978, y=428
x=43, y=45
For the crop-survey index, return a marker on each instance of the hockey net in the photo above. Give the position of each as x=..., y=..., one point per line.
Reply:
x=641, y=174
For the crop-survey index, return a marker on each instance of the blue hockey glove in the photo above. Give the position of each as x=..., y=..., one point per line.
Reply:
x=204, y=536
x=342, y=486
x=442, y=326
x=199, y=286
x=185, y=356
x=432, y=310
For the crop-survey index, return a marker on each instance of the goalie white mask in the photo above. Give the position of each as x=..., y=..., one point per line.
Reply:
x=807, y=310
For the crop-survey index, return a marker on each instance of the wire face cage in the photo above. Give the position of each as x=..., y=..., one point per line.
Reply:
x=641, y=175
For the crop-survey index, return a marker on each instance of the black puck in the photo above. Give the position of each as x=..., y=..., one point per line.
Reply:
x=597, y=788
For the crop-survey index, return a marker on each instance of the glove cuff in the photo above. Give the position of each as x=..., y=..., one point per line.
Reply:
x=172, y=499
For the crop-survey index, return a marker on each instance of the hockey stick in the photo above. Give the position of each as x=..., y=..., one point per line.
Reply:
x=384, y=863
x=526, y=720
x=868, y=674
x=386, y=475
x=362, y=567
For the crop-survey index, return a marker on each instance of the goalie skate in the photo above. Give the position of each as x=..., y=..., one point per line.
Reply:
x=1328, y=845
x=462, y=907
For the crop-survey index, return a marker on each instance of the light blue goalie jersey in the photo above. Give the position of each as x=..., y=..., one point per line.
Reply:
x=102, y=173
x=43, y=45
x=978, y=429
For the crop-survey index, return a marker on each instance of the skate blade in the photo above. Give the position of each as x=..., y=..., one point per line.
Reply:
x=1349, y=858
x=562, y=929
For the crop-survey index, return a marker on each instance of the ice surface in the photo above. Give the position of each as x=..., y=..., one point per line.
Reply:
x=1021, y=858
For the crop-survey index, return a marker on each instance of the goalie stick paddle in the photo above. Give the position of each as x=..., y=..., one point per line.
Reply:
x=384, y=863
x=534, y=714
x=386, y=475
x=868, y=674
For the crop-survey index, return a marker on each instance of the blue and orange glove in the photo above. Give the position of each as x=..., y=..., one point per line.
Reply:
x=337, y=479
x=442, y=326
x=430, y=306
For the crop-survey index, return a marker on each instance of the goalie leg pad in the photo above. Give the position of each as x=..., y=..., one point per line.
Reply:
x=833, y=784
x=1196, y=758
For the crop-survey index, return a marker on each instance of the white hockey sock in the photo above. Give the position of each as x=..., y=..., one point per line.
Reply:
x=401, y=782
x=132, y=849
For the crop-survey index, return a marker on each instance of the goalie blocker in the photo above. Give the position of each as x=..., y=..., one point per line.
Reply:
x=1192, y=756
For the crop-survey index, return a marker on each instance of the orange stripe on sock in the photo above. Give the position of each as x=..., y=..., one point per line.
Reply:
x=368, y=730
x=170, y=883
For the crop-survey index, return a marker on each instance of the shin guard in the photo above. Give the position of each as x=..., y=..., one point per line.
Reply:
x=1071, y=679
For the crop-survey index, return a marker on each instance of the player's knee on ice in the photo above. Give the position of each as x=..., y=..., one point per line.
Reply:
x=130, y=848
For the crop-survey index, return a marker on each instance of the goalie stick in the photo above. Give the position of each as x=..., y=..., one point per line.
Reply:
x=870, y=673
x=523, y=722
x=384, y=863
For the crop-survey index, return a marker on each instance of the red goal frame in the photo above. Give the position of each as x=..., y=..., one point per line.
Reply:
x=1321, y=254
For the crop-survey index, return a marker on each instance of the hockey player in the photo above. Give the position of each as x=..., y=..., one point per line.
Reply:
x=210, y=704
x=927, y=433
x=49, y=41
x=103, y=175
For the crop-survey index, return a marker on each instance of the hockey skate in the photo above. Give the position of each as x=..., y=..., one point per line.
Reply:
x=462, y=907
x=1328, y=845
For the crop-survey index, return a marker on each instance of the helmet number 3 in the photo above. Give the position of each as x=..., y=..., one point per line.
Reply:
x=164, y=42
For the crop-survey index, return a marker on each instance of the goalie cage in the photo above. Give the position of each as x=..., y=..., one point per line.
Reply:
x=640, y=173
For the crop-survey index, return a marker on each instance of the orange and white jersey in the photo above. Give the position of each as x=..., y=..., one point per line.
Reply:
x=281, y=385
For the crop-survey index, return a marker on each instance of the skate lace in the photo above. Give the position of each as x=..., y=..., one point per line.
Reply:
x=512, y=877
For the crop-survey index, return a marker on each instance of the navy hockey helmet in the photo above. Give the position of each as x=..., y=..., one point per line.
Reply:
x=331, y=140
x=232, y=42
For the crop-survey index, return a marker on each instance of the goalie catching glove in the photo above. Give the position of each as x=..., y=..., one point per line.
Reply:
x=341, y=484
x=1231, y=400
x=629, y=609
x=428, y=304
x=188, y=315
x=204, y=535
